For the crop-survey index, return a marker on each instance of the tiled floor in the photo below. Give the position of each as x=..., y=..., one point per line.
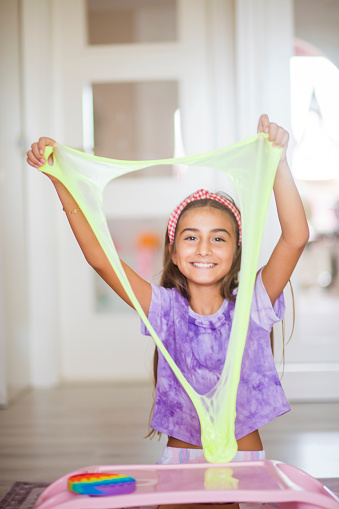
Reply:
x=47, y=433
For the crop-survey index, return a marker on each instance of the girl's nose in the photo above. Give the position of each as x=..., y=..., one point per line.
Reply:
x=203, y=248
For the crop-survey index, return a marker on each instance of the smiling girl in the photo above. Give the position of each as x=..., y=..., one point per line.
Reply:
x=192, y=309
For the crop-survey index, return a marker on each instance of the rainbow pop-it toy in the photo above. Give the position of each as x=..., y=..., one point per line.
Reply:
x=101, y=484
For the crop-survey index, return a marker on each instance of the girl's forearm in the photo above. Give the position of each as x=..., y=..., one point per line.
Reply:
x=290, y=209
x=96, y=257
x=82, y=230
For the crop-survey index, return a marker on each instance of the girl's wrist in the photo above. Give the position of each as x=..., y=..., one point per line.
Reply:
x=283, y=162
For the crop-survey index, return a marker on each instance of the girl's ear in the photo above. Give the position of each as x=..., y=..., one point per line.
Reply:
x=172, y=253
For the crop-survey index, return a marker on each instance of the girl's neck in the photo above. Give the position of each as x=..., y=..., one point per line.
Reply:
x=205, y=301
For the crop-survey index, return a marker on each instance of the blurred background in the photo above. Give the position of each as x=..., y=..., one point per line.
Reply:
x=151, y=79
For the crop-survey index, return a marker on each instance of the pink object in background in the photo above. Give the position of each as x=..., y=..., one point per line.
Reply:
x=265, y=482
x=148, y=243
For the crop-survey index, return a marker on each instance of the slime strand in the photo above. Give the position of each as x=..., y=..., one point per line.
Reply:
x=251, y=166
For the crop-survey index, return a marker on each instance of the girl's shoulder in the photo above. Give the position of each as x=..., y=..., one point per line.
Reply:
x=263, y=313
x=168, y=307
x=166, y=296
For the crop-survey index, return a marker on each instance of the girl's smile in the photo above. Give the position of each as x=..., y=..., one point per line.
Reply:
x=205, y=245
x=204, y=265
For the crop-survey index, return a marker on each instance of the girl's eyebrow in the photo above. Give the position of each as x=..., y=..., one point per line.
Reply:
x=215, y=230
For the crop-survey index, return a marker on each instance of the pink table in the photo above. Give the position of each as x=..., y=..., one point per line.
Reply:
x=256, y=481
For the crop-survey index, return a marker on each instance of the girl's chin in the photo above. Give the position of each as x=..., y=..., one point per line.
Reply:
x=204, y=280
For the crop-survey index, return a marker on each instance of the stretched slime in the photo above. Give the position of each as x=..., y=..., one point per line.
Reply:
x=251, y=166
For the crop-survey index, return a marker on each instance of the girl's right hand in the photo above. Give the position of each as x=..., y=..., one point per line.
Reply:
x=35, y=156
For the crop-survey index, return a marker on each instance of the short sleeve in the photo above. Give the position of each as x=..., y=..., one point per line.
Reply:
x=161, y=304
x=262, y=312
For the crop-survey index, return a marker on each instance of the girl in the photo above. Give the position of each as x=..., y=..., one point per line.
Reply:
x=198, y=290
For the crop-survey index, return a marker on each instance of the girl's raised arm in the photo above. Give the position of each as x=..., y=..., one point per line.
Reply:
x=87, y=241
x=294, y=227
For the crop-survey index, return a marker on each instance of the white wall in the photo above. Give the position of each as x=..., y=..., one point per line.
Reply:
x=39, y=88
x=14, y=336
x=246, y=51
x=216, y=122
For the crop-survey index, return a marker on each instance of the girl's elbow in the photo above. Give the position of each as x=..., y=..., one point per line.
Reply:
x=96, y=262
x=301, y=241
x=297, y=240
x=305, y=236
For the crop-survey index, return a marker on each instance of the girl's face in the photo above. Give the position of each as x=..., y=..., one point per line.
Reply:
x=205, y=245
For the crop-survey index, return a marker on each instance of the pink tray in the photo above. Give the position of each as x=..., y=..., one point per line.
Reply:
x=255, y=481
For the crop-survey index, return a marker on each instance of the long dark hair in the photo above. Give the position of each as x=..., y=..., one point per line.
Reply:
x=173, y=278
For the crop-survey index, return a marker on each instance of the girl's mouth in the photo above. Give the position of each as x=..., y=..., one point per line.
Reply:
x=201, y=265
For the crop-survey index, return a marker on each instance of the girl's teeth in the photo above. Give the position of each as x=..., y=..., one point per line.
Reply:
x=203, y=265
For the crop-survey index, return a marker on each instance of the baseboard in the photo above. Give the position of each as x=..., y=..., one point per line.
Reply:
x=311, y=381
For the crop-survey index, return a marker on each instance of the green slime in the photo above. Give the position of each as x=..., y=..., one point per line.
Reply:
x=251, y=166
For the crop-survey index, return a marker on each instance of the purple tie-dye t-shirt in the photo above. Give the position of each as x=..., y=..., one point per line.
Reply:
x=198, y=345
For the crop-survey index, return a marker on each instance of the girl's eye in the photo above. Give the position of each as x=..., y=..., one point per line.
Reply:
x=191, y=237
x=219, y=239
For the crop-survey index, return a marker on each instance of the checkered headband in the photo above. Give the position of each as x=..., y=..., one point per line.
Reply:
x=202, y=194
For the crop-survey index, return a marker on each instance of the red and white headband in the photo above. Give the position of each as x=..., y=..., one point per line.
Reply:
x=202, y=194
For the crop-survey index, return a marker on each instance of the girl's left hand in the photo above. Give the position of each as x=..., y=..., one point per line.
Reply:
x=277, y=134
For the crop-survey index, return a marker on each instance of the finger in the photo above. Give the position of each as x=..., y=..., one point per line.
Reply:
x=282, y=138
x=279, y=137
x=32, y=160
x=34, y=157
x=44, y=142
x=37, y=154
x=263, y=124
x=35, y=150
x=284, y=141
x=273, y=131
